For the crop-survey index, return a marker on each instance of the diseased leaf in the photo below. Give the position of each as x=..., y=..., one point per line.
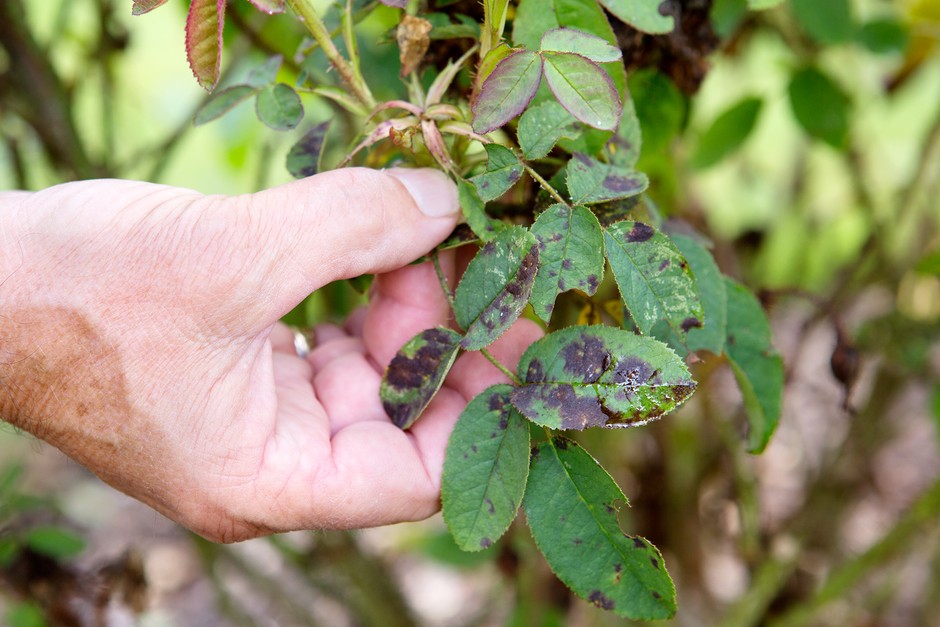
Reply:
x=413, y=42
x=507, y=91
x=727, y=133
x=279, y=107
x=304, y=156
x=145, y=6
x=571, y=507
x=571, y=255
x=269, y=6
x=757, y=366
x=485, y=469
x=599, y=376
x=222, y=102
x=711, y=335
x=583, y=88
x=496, y=287
x=579, y=42
x=266, y=73
x=416, y=373
x=592, y=181
x=654, y=278
x=502, y=171
x=820, y=106
x=474, y=211
x=541, y=126
x=204, y=40
x=623, y=149
x=643, y=15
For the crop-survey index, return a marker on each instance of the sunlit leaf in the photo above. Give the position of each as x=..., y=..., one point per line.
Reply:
x=474, y=211
x=761, y=5
x=204, y=40
x=416, y=373
x=571, y=507
x=597, y=376
x=54, y=542
x=711, y=285
x=642, y=15
x=829, y=22
x=579, y=42
x=727, y=133
x=583, y=88
x=571, y=255
x=303, y=159
x=145, y=6
x=541, y=126
x=496, y=287
x=757, y=366
x=654, y=278
x=266, y=73
x=279, y=107
x=592, y=181
x=485, y=469
x=269, y=6
x=820, y=106
x=223, y=101
x=502, y=171
x=507, y=90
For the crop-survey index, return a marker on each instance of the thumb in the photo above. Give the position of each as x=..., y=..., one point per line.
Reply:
x=343, y=223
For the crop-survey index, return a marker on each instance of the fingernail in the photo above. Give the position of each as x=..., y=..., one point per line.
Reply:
x=434, y=193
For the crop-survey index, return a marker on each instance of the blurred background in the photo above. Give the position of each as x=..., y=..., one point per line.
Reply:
x=803, y=140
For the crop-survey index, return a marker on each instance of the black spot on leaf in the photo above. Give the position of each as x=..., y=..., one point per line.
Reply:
x=639, y=543
x=601, y=600
x=691, y=323
x=584, y=358
x=485, y=543
x=640, y=233
x=654, y=563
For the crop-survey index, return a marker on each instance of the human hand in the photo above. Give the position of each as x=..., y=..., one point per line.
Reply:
x=142, y=340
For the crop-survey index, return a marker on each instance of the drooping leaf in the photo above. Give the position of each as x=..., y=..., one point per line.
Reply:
x=571, y=255
x=145, y=6
x=757, y=366
x=583, y=88
x=269, y=6
x=279, y=107
x=642, y=15
x=54, y=542
x=820, y=106
x=204, y=40
x=579, y=42
x=507, y=91
x=416, y=373
x=303, y=159
x=571, y=507
x=223, y=101
x=829, y=22
x=474, y=211
x=541, y=126
x=599, y=376
x=623, y=149
x=485, y=469
x=496, y=287
x=727, y=133
x=654, y=278
x=711, y=285
x=502, y=171
x=265, y=74
x=592, y=181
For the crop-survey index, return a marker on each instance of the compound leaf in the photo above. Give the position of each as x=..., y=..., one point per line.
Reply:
x=204, y=40
x=571, y=507
x=507, y=91
x=591, y=181
x=496, y=287
x=571, y=255
x=223, y=101
x=597, y=376
x=642, y=15
x=583, y=88
x=416, y=373
x=485, y=469
x=502, y=171
x=541, y=126
x=587, y=45
x=711, y=335
x=279, y=107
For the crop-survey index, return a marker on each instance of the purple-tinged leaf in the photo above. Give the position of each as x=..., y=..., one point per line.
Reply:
x=279, y=107
x=503, y=169
x=643, y=15
x=583, y=88
x=507, y=91
x=435, y=145
x=382, y=130
x=223, y=101
x=269, y=6
x=304, y=156
x=416, y=373
x=496, y=287
x=397, y=4
x=579, y=42
x=488, y=63
x=204, y=40
x=592, y=181
x=145, y=6
x=599, y=376
x=541, y=126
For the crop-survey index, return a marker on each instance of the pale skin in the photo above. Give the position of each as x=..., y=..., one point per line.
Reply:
x=140, y=336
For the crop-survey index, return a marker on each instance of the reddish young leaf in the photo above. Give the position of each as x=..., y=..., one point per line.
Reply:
x=145, y=6
x=204, y=40
x=269, y=6
x=507, y=91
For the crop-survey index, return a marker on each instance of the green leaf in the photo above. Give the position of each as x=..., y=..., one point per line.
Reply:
x=623, y=149
x=829, y=22
x=571, y=255
x=535, y=17
x=266, y=73
x=711, y=335
x=654, y=278
x=727, y=133
x=642, y=15
x=507, y=91
x=221, y=102
x=762, y=5
x=929, y=264
x=474, y=211
x=541, y=126
x=485, y=469
x=660, y=107
x=25, y=614
x=579, y=42
x=571, y=507
x=54, y=542
x=727, y=15
x=884, y=36
x=303, y=159
x=583, y=88
x=820, y=106
x=496, y=287
x=416, y=373
x=502, y=171
x=145, y=6
x=592, y=181
x=204, y=40
x=757, y=367
x=279, y=107
x=597, y=376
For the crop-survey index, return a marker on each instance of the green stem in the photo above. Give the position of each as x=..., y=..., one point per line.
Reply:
x=542, y=182
x=448, y=294
x=311, y=19
x=506, y=371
